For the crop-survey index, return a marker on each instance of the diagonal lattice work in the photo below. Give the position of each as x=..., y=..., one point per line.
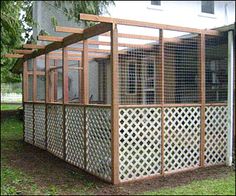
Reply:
x=55, y=129
x=39, y=125
x=75, y=135
x=28, y=120
x=215, y=134
x=139, y=142
x=98, y=126
x=181, y=137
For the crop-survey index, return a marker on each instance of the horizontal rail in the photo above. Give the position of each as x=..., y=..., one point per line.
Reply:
x=95, y=18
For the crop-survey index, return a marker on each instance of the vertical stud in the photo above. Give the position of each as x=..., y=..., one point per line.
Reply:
x=161, y=40
x=203, y=99
x=115, y=104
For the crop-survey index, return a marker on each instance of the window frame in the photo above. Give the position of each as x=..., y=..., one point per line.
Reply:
x=201, y=9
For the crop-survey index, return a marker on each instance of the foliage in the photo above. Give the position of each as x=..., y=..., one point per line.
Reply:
x=16, y=23
x=72, y=9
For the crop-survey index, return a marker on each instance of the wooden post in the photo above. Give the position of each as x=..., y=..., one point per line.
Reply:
x=203, y=98
x=47, y=67
x=34, y=93
x=25, y=94
x=55, y=79
x=85, y=93
x=34, y=80
x=115, y=104
x=64, y=95
x=161, y=40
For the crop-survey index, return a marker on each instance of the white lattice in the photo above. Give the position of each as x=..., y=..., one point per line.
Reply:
x=181, y=137
x=98, y=126
x=75, y=135
x=139, y=142
x=55, y=129
x=215, y=134
x=28, y=120
x=39, y=125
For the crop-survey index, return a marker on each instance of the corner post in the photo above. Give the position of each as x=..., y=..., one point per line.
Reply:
x=162, y=72
x=230, y=98
x=202, y=98
x=115, y=104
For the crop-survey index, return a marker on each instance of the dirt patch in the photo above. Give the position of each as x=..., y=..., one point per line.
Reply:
x=47, y=169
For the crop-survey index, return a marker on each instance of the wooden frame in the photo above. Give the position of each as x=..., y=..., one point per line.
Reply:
x=107, y=27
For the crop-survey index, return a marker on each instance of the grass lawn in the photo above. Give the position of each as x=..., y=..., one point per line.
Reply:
x=224, y=186
x=10, y=106
x=28, y=170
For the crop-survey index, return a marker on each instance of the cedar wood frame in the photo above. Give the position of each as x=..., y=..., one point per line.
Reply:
x=105, y=25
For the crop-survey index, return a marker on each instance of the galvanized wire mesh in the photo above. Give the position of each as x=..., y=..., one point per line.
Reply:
x=216, y=69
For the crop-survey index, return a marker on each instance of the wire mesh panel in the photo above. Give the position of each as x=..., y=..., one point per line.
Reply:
x=215, y=134
x=216, y=68
x=75, y=135
x=39, y=125
x=139, y=65
x=98, y=126
x=55, y=129
x=139, y=142
x=28, y=120
x=181, y=67
x=181, y=137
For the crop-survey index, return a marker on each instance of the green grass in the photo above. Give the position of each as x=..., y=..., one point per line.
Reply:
x=224, y=186
x=9, y=106
x=15, y=180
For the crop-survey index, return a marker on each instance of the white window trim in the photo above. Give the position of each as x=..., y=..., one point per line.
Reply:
x=206, y=15
x=155, y=7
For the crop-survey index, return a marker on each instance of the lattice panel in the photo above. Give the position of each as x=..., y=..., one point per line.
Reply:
x=98, y=125
x=39, y=125
x=181, y=137
x=75, y=135
x=215, y=134
x=139, y=142
x=28, y=120
x=55, y=129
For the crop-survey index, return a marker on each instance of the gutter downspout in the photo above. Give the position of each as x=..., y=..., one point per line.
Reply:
x=230, y=97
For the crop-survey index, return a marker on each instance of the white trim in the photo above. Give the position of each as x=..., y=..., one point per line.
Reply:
x=230, y=98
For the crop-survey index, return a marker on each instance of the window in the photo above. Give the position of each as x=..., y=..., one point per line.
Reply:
x=208, y=7
x=131, y=78
x=155, y=2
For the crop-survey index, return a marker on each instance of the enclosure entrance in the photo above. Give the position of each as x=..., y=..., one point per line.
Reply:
x=126, y=100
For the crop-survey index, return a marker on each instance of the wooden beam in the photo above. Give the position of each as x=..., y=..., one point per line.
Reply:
x=33, y=46
x=203, y=98
x=49, y=38
x=104, y=19
x=69, y=29
x=162, y=80
x=14, y=56
x=23, y=51
x=115, y=105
